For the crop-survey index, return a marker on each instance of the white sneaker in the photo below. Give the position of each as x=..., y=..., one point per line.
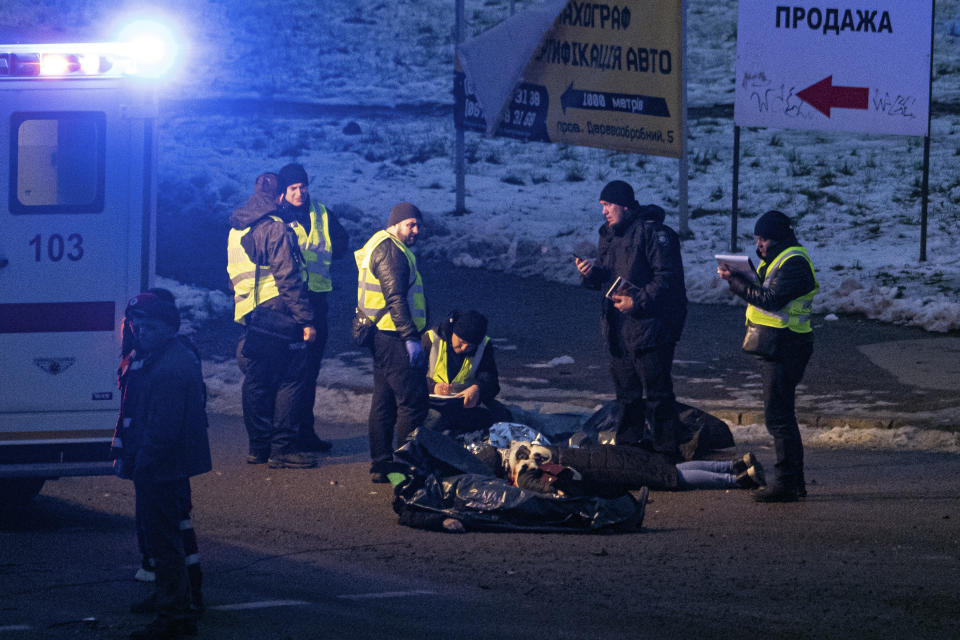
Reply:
x=142, y=575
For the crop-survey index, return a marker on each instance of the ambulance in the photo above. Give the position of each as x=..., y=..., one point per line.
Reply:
x=78, y=145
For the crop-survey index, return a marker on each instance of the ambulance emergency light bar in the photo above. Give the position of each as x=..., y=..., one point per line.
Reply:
x=148, y=50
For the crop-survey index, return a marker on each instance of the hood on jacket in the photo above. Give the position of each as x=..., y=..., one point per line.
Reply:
x=651, y=212
x=259, y=205
x=645, y=212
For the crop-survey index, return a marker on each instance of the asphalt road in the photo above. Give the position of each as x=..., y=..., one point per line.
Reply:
x=863, y=373
x=873, y=552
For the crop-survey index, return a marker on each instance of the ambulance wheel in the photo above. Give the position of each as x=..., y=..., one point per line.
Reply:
x=16, y=492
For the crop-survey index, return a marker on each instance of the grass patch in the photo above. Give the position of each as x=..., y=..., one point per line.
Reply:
x=575, y=173
x=539, y=178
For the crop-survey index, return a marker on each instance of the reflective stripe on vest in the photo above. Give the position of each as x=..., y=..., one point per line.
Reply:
x=316, y=247
x=795, y=316
x=243, y=274
x=370, y=298
x=437, y=368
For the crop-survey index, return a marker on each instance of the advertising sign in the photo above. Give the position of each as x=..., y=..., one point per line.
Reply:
x=602, y=75
x=841, y=66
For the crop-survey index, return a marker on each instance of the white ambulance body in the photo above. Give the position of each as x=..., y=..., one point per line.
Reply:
x=77, y=222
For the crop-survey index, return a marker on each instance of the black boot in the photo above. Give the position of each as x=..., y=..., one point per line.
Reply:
x=776, y=492
x=743, y=463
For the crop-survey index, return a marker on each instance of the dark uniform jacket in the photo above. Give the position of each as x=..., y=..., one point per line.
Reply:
x=273, y=243
x=646, y=252
x=792, y=280
x=389, y=265
x=164, y=400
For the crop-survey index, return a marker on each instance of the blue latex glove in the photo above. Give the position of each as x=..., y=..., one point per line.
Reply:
x=414, y=351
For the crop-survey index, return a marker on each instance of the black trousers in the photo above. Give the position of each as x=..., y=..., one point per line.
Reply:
x=780, y=377
x=648, y=408
x=399, y=402
x=305, y=418
x=159, y=510
x=272, y=390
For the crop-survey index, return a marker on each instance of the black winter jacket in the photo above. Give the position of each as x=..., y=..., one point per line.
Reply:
x=625, y=466
x=274, y=244
x=164, y=399
x=390, y=266
x=792, y=280
x=646, y=252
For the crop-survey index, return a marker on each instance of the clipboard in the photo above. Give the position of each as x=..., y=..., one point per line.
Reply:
x=438, y=396
x=738, y=264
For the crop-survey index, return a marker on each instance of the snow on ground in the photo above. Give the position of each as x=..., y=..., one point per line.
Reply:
x=855, y=198
x=550, y=410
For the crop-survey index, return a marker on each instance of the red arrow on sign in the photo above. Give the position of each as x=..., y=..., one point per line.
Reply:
x=823, y=96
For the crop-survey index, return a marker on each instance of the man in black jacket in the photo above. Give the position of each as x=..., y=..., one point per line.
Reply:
x=270, y=299
x=642, y=318
x=778, y=321
x=390, y=291
x=165, y=443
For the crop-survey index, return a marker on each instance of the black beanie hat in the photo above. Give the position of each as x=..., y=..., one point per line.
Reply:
x=403, y=211
x=470, y=326
x=292, y=174
x=621, y=193
x=773, y=225
x=159, y=306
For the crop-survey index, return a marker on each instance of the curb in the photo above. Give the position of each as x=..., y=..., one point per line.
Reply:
x=832, y=422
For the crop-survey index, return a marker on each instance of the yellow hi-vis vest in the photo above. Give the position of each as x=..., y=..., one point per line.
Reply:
x=243, y=274
x=437, y=368
x=795, y=316
x=370, y=298
x=316, y=247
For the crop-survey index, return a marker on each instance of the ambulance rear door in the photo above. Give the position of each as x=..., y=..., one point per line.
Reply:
x=75, y=245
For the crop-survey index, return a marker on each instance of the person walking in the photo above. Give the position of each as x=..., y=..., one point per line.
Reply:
x=390, y=291
x=640, y=268
x=779, y=334
x=268, y=277
x=322, y=239
x=164, y=444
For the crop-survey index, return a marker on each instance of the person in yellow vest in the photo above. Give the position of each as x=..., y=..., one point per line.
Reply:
x=270, y=300
x=461, y=364
x=390, y=291
x=321, y=238
x=780, y=336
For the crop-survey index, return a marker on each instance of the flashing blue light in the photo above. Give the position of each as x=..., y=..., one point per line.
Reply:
x=152, y=46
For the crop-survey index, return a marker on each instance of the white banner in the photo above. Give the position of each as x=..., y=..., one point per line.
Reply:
x=838, y=66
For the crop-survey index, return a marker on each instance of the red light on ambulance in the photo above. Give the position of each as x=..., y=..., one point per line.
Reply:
x=57, y=64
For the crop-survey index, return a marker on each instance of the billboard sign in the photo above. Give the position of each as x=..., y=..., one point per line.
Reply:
x=600, y=75
x=846, y=66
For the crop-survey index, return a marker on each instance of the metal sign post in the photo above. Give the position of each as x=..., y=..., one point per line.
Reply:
x=460, y=165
